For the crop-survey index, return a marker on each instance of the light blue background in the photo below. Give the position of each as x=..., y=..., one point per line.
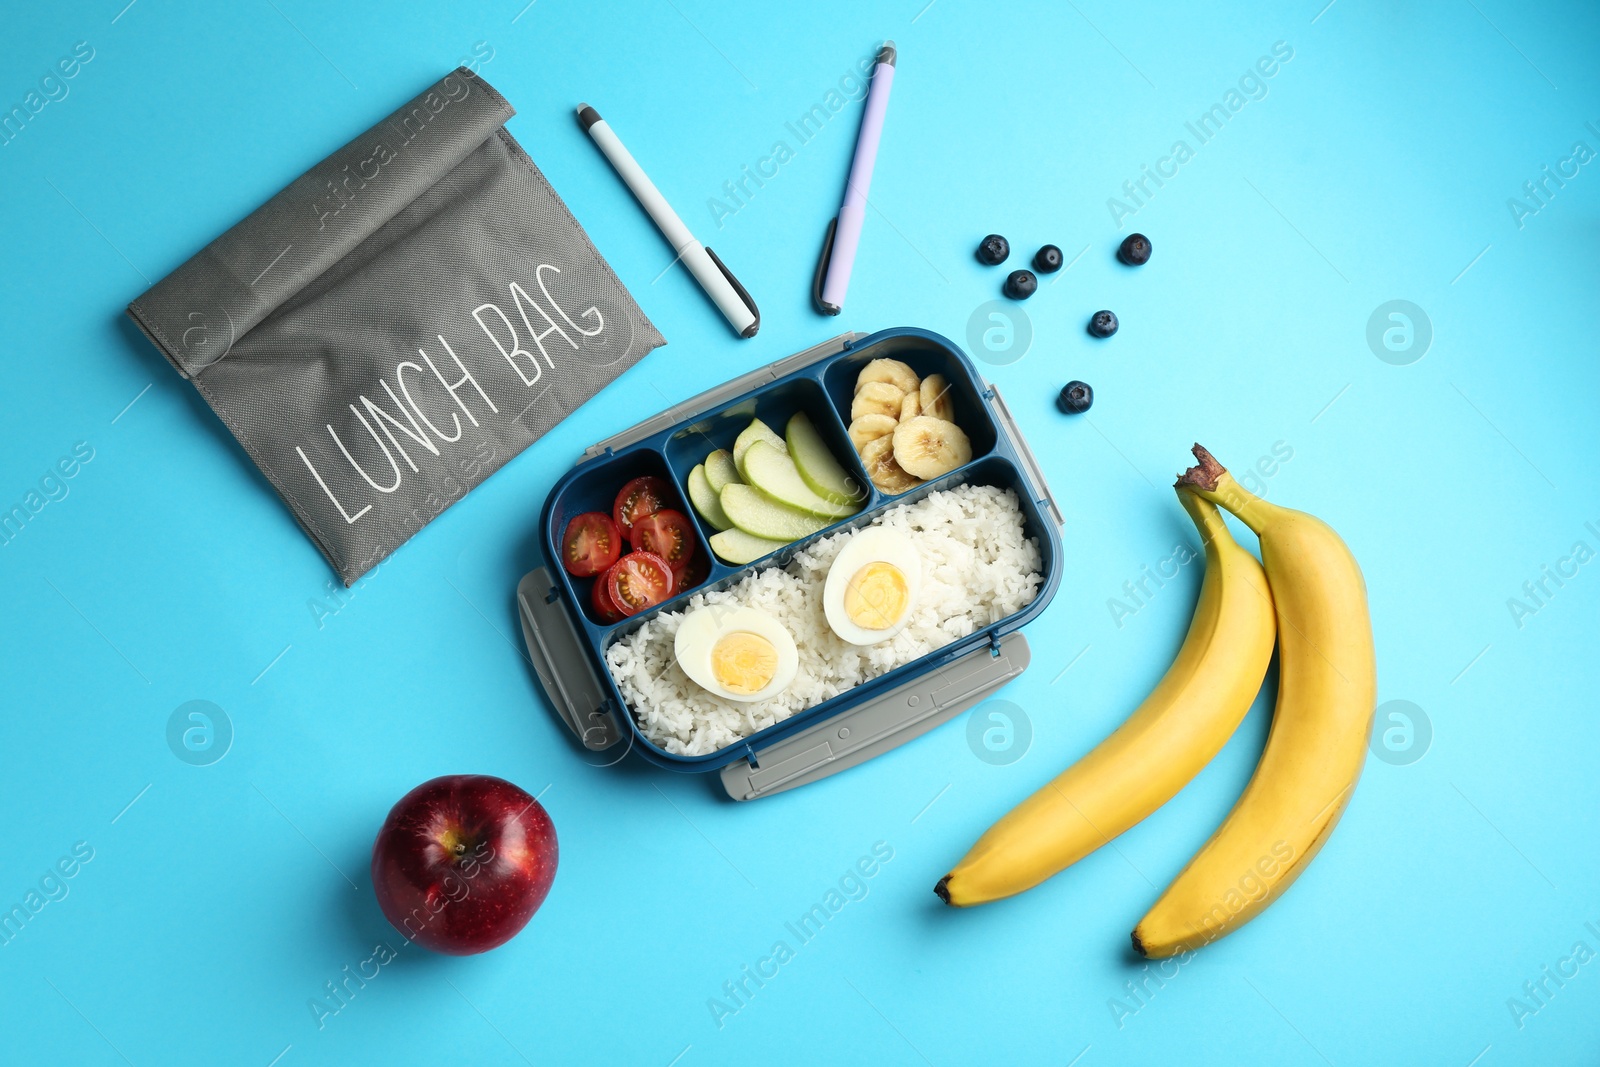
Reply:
x=1378, y=167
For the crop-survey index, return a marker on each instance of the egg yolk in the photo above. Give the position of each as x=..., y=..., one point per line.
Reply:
x=743, y=663
x=876, y=596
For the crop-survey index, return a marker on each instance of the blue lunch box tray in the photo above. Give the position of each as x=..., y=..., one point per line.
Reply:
x=567, y=641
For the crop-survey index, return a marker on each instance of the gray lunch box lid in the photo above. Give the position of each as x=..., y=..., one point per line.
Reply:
x=561, y=656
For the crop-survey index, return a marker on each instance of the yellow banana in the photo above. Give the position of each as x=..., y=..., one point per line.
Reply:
x=1180, y=726
x=1327, y=688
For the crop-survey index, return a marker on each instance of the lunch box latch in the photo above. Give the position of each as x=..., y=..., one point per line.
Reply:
x=884, y=722
x=1035, y=475
x=560, y=657
x=745, y=383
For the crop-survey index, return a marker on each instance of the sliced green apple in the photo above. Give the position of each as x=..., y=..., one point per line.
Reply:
x=773, y=474
x=705, y=500
x=818, y=468
x=737, y=547
x=755, y=514
x=720, y=469
x=756, y=431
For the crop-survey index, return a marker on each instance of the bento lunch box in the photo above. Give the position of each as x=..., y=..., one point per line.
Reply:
x=567, y=642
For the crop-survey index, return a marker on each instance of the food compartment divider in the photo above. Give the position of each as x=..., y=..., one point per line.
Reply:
x=727, y=574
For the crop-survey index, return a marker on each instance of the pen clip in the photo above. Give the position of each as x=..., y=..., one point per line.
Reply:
x=822, y=271
x=750, y=330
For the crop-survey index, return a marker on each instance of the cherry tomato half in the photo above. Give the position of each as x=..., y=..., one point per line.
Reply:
x=637, y=581
x=590, y=544
x=640, y=497
x=600, y=597
x=668, y=534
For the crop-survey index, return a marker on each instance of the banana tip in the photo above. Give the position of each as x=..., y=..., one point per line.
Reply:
x=942, y=890
x=1138, y=944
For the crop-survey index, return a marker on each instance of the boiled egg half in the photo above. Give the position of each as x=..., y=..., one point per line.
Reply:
x=737, y=653
x=872, y=586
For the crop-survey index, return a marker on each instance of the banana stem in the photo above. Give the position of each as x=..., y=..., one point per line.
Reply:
x=1207, y=519
x=1211, y=480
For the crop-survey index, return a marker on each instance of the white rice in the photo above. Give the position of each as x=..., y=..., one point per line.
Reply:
x=977, y=568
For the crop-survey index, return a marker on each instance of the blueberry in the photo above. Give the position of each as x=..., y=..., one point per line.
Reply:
x=1135, y=250
x=993, y=250
x=1075, y=398
x=1020, y=284
x=1047, y=260
x=1103, y=324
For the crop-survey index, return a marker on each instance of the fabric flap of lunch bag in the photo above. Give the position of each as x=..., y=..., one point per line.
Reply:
x=195, y=313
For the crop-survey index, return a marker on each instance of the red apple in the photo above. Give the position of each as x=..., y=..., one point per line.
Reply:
x=463, y=862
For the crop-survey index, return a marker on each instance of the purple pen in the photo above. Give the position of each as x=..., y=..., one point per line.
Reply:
x=832, y=279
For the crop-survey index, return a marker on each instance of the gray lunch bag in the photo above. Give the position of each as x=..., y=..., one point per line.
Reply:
x=399, y=322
